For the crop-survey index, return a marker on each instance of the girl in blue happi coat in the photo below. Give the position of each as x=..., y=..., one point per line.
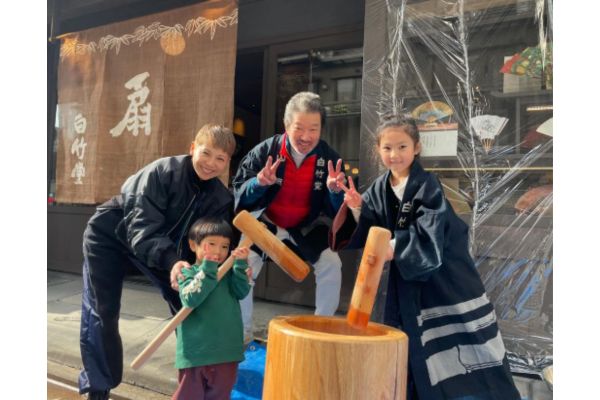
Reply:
x=434, y=292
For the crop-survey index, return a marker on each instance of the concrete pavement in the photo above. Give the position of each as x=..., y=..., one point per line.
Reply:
x=143, y=315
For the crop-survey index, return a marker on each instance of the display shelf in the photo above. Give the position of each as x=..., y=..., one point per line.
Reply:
x=505, y=164
x=502, y=183
x=522, y=120
x=529, y=93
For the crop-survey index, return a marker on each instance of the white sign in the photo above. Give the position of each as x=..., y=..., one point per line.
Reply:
x=78, y=148
x=439, y=143
x=137, y=115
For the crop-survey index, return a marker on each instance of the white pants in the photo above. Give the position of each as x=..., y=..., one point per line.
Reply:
x=328, y=277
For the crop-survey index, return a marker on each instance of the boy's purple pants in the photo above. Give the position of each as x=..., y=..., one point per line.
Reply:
x=210, y=382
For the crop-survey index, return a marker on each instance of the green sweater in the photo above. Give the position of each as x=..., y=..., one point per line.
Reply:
x=212, y=333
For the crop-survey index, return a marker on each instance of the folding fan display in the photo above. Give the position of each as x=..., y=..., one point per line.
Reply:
x=432, y=111
x=535, y=62
x=546, y=128
x=487, y=127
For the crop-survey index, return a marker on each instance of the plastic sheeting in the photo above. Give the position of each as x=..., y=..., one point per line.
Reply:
x=251, y=374
x=478, y=77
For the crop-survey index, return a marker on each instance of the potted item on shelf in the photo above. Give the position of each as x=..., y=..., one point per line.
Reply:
x=439, y=135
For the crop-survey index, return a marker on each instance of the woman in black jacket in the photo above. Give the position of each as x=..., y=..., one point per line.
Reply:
x=146, y=226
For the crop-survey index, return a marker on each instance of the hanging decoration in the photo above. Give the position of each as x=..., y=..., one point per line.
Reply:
x=135, y=91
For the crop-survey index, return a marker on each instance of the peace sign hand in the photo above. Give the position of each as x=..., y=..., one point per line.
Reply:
x=266, y=176
x=351, y=197
x=335, y=178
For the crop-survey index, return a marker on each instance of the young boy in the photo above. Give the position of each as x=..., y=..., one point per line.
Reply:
x=210, y=339
x=146, y=226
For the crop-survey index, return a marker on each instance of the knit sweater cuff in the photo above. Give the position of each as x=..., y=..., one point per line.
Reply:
x=240, y=263
x=210, y=265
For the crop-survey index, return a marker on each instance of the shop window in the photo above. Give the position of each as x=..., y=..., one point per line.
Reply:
x=477, y=77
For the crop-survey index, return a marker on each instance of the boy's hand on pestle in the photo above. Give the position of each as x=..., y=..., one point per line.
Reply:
x=241, y=253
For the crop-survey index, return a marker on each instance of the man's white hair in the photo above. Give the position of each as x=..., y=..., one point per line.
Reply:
x=306, y=102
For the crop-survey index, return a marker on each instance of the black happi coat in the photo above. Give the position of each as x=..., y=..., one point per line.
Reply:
x=434, y=292
x=311, y=233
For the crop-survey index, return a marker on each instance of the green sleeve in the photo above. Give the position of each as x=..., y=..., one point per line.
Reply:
x=199, y=282
x=239, y=280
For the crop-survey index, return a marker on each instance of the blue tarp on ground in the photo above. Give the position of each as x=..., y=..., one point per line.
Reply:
x=250, y=374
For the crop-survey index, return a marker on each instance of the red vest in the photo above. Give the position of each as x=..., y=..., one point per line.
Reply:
x=292, y=203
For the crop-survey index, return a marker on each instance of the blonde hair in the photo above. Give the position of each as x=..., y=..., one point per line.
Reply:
x=218, y=136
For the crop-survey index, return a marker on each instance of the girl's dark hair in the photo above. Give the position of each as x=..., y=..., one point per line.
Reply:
x=405, y=122
x=204, y=227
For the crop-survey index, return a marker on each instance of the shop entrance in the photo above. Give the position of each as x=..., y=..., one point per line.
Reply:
x=332, y=68
x=247, y=103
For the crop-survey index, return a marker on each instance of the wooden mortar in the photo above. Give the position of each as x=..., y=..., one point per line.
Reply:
x=315, y=357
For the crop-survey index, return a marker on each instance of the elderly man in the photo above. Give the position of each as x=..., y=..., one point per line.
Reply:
x=289, y=181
